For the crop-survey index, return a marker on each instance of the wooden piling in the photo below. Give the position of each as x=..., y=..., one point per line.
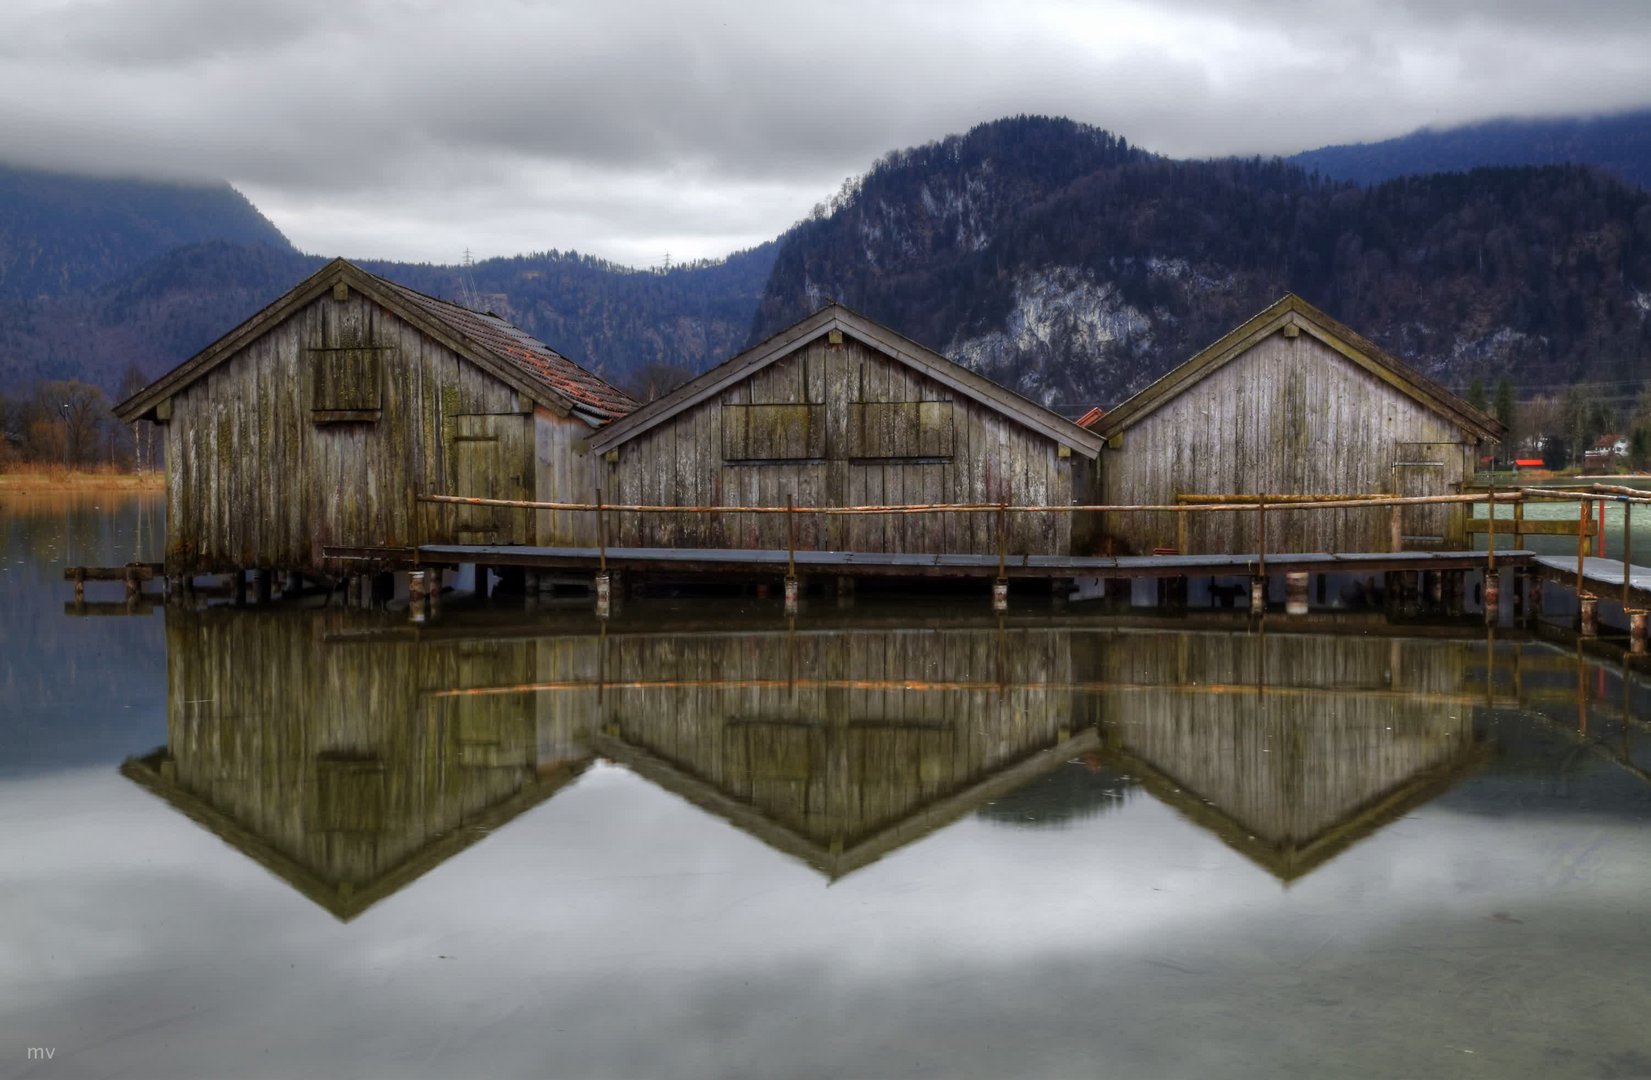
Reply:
x=1636, y=631
x=417, y=587
x=1588, y=617
x=1258, y=595
x=262, y=586
x=604, y=598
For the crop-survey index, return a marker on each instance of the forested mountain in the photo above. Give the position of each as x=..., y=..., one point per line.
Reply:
x=1082, y=281
x=62, y=234
x=1619, y=143
x=645, y=329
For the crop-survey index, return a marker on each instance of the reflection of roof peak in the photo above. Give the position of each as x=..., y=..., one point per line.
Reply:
x=345, y=900
x=838, y=856
x=1298, y=857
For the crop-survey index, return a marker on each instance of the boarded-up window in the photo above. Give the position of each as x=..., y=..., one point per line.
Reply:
x=900, y=429
x=794, y=431
x=346, y=384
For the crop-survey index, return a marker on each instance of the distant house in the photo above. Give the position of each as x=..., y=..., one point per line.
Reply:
x=319, y=420
x=1290, y=403
x=839, y=411
x=1603, y=455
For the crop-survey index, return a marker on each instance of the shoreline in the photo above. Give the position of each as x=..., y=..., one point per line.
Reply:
x=90, y=482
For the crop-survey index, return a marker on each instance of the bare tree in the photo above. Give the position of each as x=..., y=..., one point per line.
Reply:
x=80, y=410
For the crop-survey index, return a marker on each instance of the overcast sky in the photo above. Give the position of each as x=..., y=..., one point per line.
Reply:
x=414, y=129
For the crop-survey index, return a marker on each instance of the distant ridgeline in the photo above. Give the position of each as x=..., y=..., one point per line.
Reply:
x=1619, y=143
x=1053, y=257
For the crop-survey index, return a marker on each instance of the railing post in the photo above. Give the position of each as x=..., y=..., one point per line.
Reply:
x=1261, y=542
x=1490, y=533
x=1000, y=587
x=604, y=584
x=1581, y=542
x=1493, y=581
x=790, y=555
x=1627, y=548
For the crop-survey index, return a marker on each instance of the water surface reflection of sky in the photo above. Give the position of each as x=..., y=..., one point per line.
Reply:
x=882, y=843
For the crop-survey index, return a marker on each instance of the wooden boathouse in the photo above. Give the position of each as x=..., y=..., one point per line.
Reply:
x=318, y=421
x=1292, y=404
x=840, y=411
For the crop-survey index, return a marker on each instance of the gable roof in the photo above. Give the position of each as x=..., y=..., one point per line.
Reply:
x=896, y=346
x=530, y=366
x=1292, y=310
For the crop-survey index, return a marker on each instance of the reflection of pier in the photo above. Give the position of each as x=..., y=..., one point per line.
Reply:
x=350, y=759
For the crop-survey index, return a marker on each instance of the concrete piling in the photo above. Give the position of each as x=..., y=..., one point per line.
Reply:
x=1295, y=592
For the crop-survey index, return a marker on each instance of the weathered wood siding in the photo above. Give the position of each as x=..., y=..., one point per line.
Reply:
x=321, y=432
x=334, y=760
x=1312, y=732
x=562, y=473
x=841, y=425
x=1289, y=416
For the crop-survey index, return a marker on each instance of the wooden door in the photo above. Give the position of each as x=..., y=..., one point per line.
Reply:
x=492, y=458
x=1425, y=468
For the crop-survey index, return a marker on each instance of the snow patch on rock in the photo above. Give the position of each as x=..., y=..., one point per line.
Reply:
x=1060, y=314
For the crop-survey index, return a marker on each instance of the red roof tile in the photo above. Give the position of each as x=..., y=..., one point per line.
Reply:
x=536, y=359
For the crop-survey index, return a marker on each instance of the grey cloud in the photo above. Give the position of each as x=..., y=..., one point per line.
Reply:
x=640, y=113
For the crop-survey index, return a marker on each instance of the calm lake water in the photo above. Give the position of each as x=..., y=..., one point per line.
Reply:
x=895, y=839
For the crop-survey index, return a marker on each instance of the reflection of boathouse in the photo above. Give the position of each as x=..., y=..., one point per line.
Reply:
x=330, y=763
x=838, y=747
x=349, y=758
x=1291, y=747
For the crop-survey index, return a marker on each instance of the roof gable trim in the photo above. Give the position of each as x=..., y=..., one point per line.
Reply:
x=1293, y=312
x=836, y=317
x=312, y=288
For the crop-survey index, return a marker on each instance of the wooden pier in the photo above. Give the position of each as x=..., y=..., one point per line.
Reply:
x=880, y=564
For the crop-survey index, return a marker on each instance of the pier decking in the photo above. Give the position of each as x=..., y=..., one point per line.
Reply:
x=885, y=564
x=1606, y=575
